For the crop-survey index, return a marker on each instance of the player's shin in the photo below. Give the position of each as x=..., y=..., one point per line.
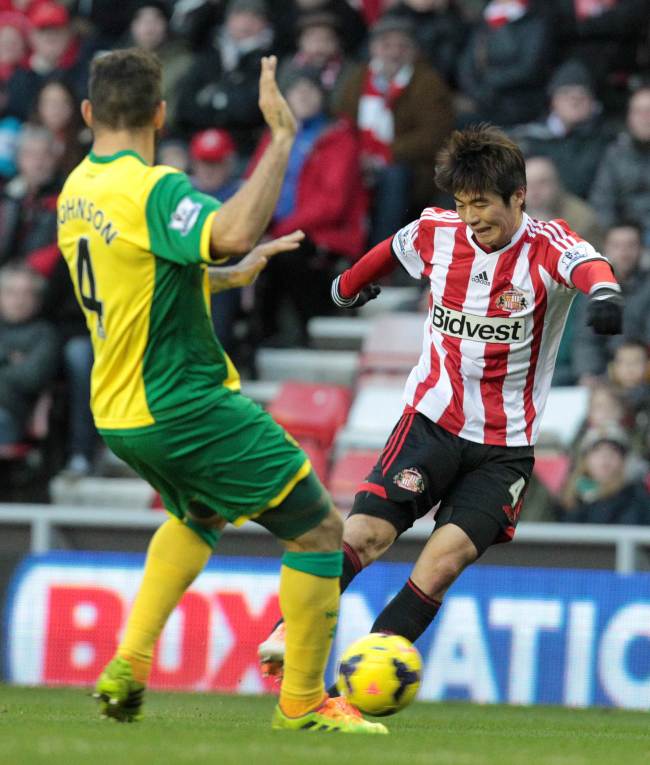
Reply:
x=309, y=599
x=175, y=557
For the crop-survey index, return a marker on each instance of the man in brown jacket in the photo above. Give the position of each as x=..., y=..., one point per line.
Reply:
x=403, y=111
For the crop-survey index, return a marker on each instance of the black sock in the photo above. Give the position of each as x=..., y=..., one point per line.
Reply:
x=408, y=614
x=351, y=566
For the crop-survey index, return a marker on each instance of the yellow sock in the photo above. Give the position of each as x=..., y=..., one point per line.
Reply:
x=175, y=557
x=310, y=606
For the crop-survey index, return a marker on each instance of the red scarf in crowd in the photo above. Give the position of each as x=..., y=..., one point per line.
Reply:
x=497, y=13
x=375, y=115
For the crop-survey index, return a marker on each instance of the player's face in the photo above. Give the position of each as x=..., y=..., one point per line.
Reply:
x=493, y=222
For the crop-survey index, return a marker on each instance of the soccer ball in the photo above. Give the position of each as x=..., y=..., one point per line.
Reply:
x=380, y=674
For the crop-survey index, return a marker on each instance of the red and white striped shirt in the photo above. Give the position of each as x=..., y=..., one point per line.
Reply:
x=494, y=325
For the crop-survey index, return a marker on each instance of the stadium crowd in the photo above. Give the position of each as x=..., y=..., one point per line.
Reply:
x=376, y=87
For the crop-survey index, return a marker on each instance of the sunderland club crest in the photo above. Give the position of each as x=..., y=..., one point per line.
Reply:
x=410, y=479
x=512, y=300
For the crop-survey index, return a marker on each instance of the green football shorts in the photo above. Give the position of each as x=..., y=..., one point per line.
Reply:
x=232, y=460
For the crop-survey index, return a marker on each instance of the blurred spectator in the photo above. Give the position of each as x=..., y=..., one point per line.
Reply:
x=547, y=199
x=621, y=190
x=607, y=36
x=403, y=110
x=350, y=21
x=108, y=20
x=28, y=202
x=13, y=43
x=174, y=151
x=599, y=489
x=323, y=195
x=55, y=50
x=506, y=62
x=221, y=88
x=441, y=32
x=213, y=162
x=591, y=352
x=606, y=407
x=28, y=350
x=574, y=133
x=61, y=308
x=195, y=20
x=149, y=30
x=629, y=372
x=320, y=48
x=9, y=132
x=57, y=109
x=212, y=154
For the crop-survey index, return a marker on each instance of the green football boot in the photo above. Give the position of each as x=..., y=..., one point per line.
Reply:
x=332, y=716
x=120, y=697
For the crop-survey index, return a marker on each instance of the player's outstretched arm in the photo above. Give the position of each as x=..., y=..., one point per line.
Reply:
x=605, y=309
x=355, y=286
x=248, y=269
x=242, y=220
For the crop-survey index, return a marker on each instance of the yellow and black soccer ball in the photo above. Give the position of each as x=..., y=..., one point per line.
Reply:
x=380, y=674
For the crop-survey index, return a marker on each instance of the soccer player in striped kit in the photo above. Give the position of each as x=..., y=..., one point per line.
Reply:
x=501, y=285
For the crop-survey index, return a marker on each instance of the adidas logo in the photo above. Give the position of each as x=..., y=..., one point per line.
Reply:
x=481, y=278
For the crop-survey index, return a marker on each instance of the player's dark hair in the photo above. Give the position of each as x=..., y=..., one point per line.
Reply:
x=478, y=160
x=125, y=88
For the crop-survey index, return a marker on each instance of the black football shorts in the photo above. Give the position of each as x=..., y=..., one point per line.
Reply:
x=480, y=487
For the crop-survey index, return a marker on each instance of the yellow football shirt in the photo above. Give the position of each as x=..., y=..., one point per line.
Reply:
x=136, y=239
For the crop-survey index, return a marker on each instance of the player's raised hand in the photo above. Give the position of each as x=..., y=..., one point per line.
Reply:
x=272, y=103
x=249, y=267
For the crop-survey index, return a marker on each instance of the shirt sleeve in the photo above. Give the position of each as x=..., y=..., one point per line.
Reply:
x=179, y=219
x=566, y=251
x=406, y=248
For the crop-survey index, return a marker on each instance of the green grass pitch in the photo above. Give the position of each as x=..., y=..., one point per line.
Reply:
x=60, y=727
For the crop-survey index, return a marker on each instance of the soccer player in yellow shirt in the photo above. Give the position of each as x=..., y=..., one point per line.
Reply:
x=139, y=240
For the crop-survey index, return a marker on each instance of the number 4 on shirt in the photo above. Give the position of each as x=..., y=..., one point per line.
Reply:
x=86, y=277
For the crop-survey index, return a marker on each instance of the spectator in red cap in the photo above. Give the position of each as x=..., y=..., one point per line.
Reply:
x=213, y=162
x=56, y=50
x=212, y=154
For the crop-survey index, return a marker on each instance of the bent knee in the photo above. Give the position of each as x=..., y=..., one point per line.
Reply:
x=368, y=536
x=326, y=537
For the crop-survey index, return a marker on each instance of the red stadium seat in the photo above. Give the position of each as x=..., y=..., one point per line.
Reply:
x=346, y=475
x=311, y=411
x=318, y=456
